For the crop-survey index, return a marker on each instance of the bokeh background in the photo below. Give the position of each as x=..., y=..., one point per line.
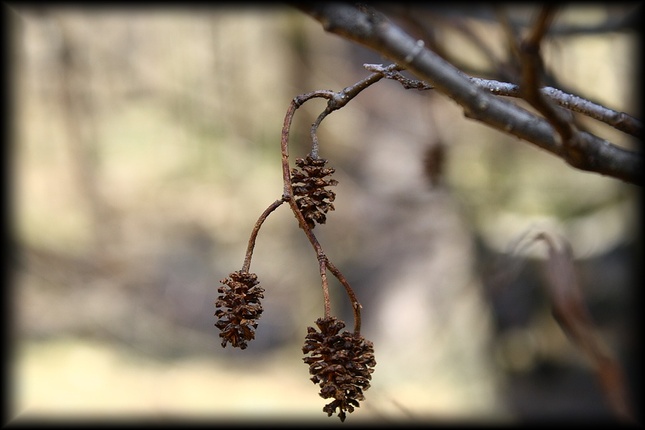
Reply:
x=144, y=146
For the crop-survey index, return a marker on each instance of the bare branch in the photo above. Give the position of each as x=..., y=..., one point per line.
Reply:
x=573, y=316
x=618, y=120
x=532, y=68
x=374, y=31
x=335, y=100
x=340, y=99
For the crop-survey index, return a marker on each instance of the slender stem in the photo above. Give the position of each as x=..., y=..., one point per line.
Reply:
x=284, y=139
x=322, y=262
x=356, y=306
x=341, y=98
x=335, y=101
x=255, y=231
x=314, y=135
x=288, y=190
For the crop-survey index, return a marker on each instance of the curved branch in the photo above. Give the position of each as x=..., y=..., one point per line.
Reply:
x=374, y=31
x=334, y=101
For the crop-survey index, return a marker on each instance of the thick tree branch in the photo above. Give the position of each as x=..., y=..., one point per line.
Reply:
x=374, y=31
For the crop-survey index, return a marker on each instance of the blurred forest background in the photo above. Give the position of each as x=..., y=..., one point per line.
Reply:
x=145, y=144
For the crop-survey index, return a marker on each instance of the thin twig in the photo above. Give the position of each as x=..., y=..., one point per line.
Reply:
x=288, y=188
x=254, y=233
x=341, y=98
x=336, y=100
x=618, y=120
x=356, y=306
x=288, y=196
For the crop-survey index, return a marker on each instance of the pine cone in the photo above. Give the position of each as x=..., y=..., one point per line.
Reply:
x=342, y=364
x=308, y=181
x=240, y=300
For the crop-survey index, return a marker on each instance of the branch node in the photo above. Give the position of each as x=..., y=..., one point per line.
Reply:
x=416, y=51
x=338, y=100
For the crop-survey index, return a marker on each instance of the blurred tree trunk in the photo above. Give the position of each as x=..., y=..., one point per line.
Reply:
x=79, y=117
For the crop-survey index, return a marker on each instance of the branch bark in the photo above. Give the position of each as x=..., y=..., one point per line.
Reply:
x=373, y=30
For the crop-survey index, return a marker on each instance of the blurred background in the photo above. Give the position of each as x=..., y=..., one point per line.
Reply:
x=145, y=145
